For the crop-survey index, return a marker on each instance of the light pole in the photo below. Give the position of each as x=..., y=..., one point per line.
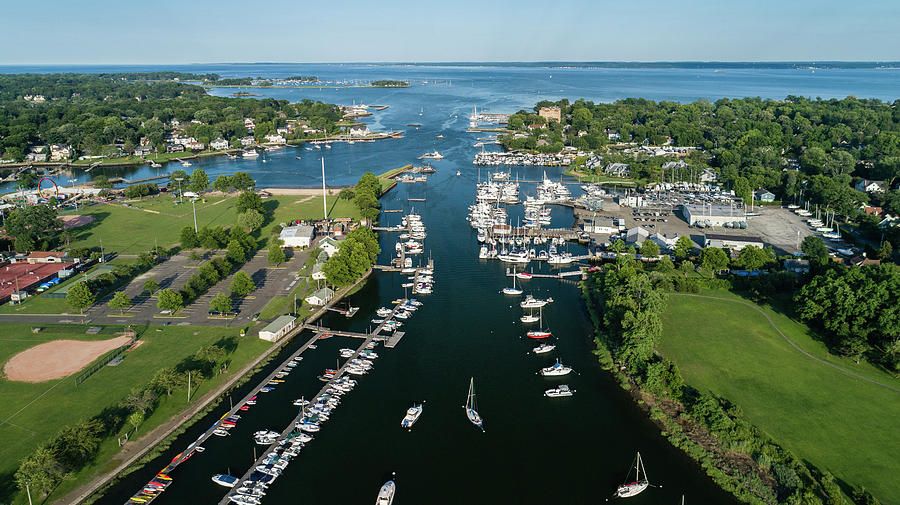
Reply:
x=28, y=490
x=73, y=193
x=194, y=205
x=180, y=193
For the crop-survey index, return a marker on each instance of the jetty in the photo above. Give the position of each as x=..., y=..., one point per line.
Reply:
x=560, y=275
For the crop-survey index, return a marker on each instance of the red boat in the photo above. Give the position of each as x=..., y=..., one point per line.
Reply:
x=538, y=334
x=245, y=407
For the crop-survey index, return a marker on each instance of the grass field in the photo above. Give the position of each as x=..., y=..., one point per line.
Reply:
x=837, y=422
x=159, y=219
x=31, y=413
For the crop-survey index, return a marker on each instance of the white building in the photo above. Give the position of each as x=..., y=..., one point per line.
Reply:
x=636, y=236
x=330, y=246
x=867, y=186
x=318, y=272
x=359, y=130
x=247, y=141
x=665, y=243
x=274, y=138
x=278, y=328
x=297, y=236
x=733, y=242
x=320, y=297
x=711, y=215
x=219, y=144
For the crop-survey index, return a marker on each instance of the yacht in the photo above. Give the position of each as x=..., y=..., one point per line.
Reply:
x=529, y=318
x=243, y=499
x=531, y=302
x=346, y=353
x=386, y=493
x=555, y=370
x=543, y=348
x=562, y=390
x=412, y=415
x=471, y=413
x=250, y=153
x=224, y=479
x=483, y=252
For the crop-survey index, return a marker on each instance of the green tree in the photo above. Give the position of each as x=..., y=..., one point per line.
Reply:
x=814, y=248
x=250, y=220
x=242, y=181
x=649, y=249
x=220, y=303
x=178, y=174
x=168, y=299
x=136, y=419
x=886, y=251
x=40, y=471
x=151, y=286
x=120, y=301
x=241, y=284
x=139, y=401
x=35, y=227
x=714, y=259
x=80, y=296
x=189, y=238
x=235, y=252
x=683, y=247
x=213, y=356
x=168, y=380
x=222, y=184
x=248, y=200
x=102, y=182
x=755, y=258
x=199, y=181
x=77, y=444
x=618, y=246
x=276, y=254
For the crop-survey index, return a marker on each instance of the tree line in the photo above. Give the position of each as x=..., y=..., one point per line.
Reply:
x=356, y=255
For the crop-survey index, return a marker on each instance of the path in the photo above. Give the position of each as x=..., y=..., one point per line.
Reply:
x=789, y=341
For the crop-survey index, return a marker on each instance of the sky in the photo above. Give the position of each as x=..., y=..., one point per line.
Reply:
x=215, y=31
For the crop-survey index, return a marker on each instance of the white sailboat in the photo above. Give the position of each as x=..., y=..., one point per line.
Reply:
x=639, y=484
x=513, y=290
x=471, y=413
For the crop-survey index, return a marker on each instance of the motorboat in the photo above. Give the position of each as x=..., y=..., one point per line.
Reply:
x=220, y=432
x=346, y=353
x=300, y=402
x=384, y=312
x=555, y=370
x=386, y=493
x=243, y=499
x=225, y=479
x=523, y=275
x=412, y=415
x=250, y=153
x=531, y=302
x=543, y=348
x=558, y=392
x=529, y=318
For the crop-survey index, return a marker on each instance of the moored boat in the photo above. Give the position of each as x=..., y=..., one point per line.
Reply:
x=412, y=415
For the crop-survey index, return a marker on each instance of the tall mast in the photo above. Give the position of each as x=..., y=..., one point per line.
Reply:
x=324, y=195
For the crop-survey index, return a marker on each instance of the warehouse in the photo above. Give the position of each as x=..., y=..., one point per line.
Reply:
x=711, y=215
x=297, y=236
x=278, y=328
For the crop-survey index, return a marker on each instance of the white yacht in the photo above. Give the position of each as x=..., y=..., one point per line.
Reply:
x=529, y=318
x=483, y=252
x=562, y=390
x=386, y=493
x=224, y=479
x=556, y=370
x=250, y=153
x=543, y=348
x=531, y=302
x=412, y=415
x=243, y=499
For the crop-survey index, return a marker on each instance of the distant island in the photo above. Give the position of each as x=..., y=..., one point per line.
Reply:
x=390, y=84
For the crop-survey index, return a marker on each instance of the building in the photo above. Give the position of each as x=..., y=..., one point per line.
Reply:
x=867, y=186
x=195, y=145
x=25, y=276
x=359, y=130
x=48, y=257
x=618, y=169
x=631, y=200
x=278, y=328
x=219, y=144
x=330, y=246
x=174, y=148
x=60, y=152
x=550, y=114
x=665, y=243
x=798, y=266
x=297, y=236
x=708, y=176
x=274, y=138
x=763, y=195
x=318, y=272
x=636, y=236
x=144, y=150
x=320, y=297
x=711, y=215
x=733, y=242
x=247, y=141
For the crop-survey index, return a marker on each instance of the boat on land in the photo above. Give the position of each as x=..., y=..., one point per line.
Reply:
x=386, y=493
x=558, y=392
x=638, y=485
x=412, y=415
x=225, y=479
x=471, y=413
x=556, y=370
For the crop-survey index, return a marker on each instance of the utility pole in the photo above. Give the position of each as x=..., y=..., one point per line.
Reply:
x=194, y=205
x=180, y=193
x=324, y=196
x=28, y=490
x=189, y=387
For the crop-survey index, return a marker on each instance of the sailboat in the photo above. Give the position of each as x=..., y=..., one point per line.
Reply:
x=513, y=290
x=471, y=413
x=540, y=333
x=639, y=484
x=529, y=318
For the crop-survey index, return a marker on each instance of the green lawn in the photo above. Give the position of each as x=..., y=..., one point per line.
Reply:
x=31, y=413
x=837, y=422
x=279, y=305
x=159, y=219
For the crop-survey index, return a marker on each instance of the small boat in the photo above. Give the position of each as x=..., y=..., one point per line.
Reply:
x=513, y=290
x=523, y=275
x=635, y=487
x=225, y=479
x=185, y=163
x=300, y=402
x=297, y=157
x=471, y=413
x=250, y=153
x=562, y=390
x=457, y=173
x=220, y=432
x=540, y=333
x=243, y=499
x=556, y=370
x=386, y=493
x=543, y=348
x=412, y=415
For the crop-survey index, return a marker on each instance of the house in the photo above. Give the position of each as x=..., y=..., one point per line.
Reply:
x=795, y=265
x=144, y=150
x=282, y=131
x=733, y=242
x=278, y=328
x=867, y=186
x=671, y=165
x=330, y=246
x=618, y=169
x=248, y=123
x=613, y=135
x=195, y=145
x=636, y=236
x=274, y=138
x=36, y=157
x=47, y=257
x=665, y=243
x=550, y=113
x=219, y=144
x=297, y=236
x=174, y=148
x=708, y=176
x=318, y=272
x=862, y=260
x=247, y=141
x=359, y=130
x=60, y=152
x=872, y=211
x=320, y=297
x=763, y=195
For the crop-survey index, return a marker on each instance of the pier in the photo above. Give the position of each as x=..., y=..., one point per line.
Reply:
x=560, y=275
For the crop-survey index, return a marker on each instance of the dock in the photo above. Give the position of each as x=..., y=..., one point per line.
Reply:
x=559, y=275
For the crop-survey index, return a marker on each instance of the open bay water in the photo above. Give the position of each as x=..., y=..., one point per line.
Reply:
x=535, y=450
